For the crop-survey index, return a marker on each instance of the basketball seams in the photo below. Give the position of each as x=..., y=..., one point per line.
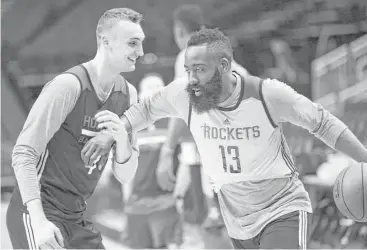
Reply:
x=342, y=193
x=346, y=205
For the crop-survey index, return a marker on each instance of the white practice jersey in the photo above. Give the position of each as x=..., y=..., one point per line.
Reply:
x=242, y=147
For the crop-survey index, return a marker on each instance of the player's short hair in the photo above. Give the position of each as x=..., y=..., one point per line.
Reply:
x=113, y=16
x=215, y=40
x=191, y=16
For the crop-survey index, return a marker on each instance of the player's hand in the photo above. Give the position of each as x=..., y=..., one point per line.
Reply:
x=47, y=235
x=183, y=180
x=180, y=204
x=96, y=147
x=111, y=124
x=164, y=173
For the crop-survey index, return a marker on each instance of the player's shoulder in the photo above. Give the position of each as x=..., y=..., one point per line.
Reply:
x=278, y=90
x=64, y=83
x=259, y=88
x=271, y=89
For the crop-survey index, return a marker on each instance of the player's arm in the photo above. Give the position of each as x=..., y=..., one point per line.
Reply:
x=286, y=105
x=126, y=153
x=171, y=101
x=55, y=102
x=49, y=111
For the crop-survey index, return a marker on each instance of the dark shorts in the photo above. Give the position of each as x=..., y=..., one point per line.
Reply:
x=76, y=235
x=289, y=231
x=154, y=230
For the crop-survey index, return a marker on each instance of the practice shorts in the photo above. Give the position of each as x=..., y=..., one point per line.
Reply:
x=76, y=235
x=289, y=231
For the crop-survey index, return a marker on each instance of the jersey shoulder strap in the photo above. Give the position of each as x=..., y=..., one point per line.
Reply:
x=264, y=104
x=81, y=73
x=127, y=93
x=124, y=87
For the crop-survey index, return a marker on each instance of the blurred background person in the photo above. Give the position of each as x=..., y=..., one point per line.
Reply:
x=186, y=20
x=152, y=220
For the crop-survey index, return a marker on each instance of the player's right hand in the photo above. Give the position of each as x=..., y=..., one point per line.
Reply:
x=96, y=147
x=164, y=173
x=47, y=235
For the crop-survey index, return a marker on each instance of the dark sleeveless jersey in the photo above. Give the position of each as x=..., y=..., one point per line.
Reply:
x=65, y=181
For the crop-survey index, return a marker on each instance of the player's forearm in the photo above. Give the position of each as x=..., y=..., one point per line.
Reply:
x=349, y=144
x=35, y=210
x=52, y=106
x=176, y=128
x=137, y=117
x=183, y=181
x=125, y=171
x=123, y=151
x=125, y=161
x=24, y=161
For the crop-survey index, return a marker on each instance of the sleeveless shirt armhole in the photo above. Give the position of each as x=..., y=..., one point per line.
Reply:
x=83, y=71
x=264, y=104
x=79, y=80
x=128, y=92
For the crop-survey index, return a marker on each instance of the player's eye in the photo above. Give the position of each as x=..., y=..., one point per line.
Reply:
x=133, y=43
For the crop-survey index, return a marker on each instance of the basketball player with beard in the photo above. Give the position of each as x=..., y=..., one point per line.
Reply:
x=187, y=19
x=236, y=122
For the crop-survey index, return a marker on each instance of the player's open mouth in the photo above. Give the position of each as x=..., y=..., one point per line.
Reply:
x=197, y=92
x=131, y=59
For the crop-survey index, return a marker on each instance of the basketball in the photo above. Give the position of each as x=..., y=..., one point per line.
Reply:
x=350, y=192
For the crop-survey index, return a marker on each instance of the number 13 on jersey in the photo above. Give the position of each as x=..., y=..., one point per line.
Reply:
x=232, y=153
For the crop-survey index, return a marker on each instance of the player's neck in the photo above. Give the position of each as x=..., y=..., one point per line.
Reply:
x=104, y=76
x=229, y=82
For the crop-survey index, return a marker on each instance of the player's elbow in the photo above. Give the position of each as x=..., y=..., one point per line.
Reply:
x=23, y=154
x=329, y=128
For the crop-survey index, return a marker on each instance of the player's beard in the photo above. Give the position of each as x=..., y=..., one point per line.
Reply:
x=210, y=93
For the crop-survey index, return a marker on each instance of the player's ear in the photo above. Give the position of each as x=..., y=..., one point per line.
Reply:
x=225, y=65
x=104, y=41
